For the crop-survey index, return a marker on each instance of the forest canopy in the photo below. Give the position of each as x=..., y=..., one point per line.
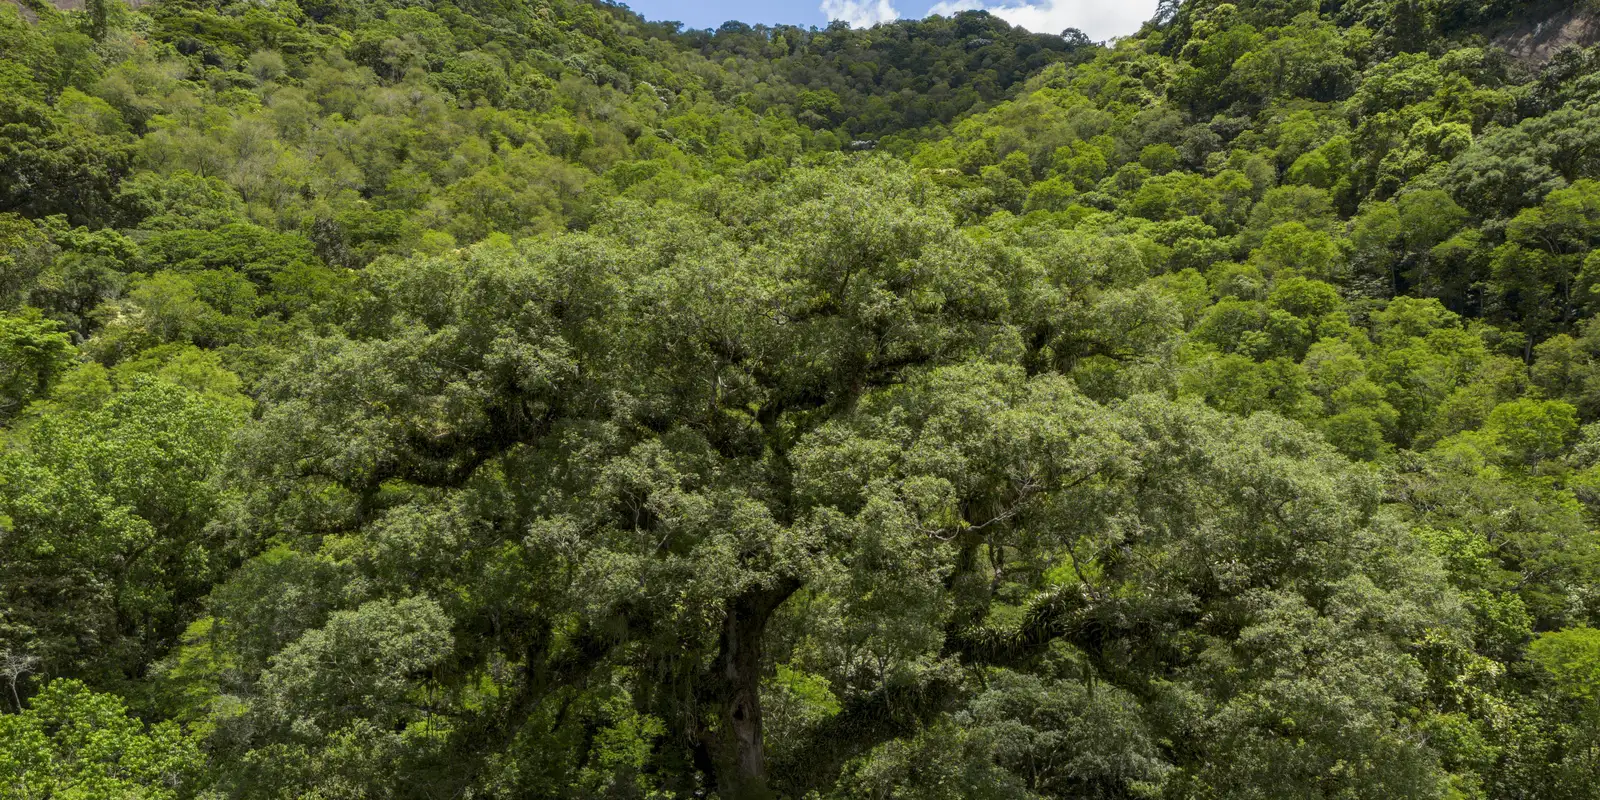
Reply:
x=523, y=399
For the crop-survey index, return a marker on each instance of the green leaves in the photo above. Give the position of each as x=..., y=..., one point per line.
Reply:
x=1061, y=737
x=506, y=401
x=72, y=742
x=110, y=544
x=362, y=665
x=34, y=354
x=1572, y=659
x=1532, y=431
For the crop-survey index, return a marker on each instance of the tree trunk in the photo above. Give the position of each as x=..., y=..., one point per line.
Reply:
x=732, y=695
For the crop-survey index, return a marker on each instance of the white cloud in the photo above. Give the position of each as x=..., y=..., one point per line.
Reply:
x=1100, y=19
x=860, y=13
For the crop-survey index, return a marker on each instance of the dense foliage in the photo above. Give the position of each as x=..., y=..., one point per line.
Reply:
x=488, y=398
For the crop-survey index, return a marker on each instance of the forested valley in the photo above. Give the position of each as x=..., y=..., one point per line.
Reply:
x=523, y=399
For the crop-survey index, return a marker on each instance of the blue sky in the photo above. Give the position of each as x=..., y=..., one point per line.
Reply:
x=1101, y=19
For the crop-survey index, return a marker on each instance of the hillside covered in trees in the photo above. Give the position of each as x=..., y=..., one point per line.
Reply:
x=522, y=399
